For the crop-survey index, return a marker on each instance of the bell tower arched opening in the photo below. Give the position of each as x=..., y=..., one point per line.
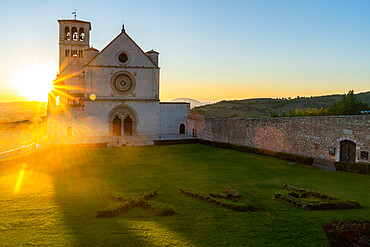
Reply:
x=67, y=34
x=81, y=34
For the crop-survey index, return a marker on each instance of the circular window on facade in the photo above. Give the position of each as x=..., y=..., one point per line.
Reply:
x=123, y=57
x=122, y=83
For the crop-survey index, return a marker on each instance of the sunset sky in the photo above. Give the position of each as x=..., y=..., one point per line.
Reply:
x=209, y=50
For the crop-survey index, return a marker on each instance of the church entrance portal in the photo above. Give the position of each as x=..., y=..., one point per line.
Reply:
x=347, y=151
x=127, y=126
x=117, y=126
x=122, y=120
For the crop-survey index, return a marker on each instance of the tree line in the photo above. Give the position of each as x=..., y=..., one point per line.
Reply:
x=349, y=105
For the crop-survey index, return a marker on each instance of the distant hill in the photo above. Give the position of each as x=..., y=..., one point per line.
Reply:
x=21, y=111
x=193, y=102
x=261, y=107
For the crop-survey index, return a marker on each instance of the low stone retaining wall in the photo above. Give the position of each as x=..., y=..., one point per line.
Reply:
x=317, y=137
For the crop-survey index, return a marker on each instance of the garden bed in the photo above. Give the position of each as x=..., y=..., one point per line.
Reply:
x=144, y=201
x=230, y=199
x=313, y=200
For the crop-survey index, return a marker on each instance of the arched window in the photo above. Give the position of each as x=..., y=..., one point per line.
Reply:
x=74, y=34
x=117, y=126
x=182, y=129
x=127, y=126
x=81, y=34
x=67, y=34
x=69, y=131
x=57, y=101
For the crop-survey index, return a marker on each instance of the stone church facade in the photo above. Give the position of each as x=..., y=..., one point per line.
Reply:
x=109, y=96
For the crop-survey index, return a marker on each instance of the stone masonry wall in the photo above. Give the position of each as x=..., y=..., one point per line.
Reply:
x=309, y=136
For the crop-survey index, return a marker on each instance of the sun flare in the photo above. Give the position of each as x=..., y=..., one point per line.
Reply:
x=35, y=81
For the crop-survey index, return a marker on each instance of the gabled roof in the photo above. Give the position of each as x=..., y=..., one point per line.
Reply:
x=123, y=33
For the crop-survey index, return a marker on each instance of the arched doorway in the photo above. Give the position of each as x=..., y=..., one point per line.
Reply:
x=182, y=129
x=117, y=129
x=127, y=126
x=347, y=151
x=127, y=116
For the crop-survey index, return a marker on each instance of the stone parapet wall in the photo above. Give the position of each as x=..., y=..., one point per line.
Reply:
x=309, y=136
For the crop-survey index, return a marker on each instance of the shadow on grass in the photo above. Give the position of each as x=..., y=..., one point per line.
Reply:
x=82, y=180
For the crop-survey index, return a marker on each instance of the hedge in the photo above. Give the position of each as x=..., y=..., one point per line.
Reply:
x=280, y=155
x=175, y=141
x=362, y=168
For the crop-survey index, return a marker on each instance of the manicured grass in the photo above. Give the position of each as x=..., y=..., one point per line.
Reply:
x=53, y=199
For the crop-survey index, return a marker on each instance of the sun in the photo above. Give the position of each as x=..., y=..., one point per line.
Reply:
x=35, y=81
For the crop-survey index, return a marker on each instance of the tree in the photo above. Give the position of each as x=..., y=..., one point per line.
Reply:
x=349, y=105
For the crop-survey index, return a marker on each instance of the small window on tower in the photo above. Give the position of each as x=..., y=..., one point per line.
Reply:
x=74, y=53
x=67, y=53
x=57, y=101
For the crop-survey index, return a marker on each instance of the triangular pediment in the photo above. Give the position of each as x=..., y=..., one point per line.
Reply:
x=109, y=56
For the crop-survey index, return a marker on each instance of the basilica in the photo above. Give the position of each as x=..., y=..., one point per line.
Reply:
x=109, y=96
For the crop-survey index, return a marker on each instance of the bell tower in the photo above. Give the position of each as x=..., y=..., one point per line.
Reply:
x=74, y=39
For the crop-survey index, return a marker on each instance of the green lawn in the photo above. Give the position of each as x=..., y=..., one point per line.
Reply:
x=53, y=199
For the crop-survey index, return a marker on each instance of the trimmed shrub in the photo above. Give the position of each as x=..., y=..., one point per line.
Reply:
x=312, y=200
x=118, y=208
x=348, y=233
x=160, y=208
x=280, y=155
x=303, y=193
x=143, y=201
x=175, y=142
x=143, y=196
x=204, y=197
x=230, y=194
x=295, y=157
x=363, y=168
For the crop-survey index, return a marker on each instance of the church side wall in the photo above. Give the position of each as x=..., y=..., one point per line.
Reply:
x=309, y=136
x=172, y=115
x=59, y=121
